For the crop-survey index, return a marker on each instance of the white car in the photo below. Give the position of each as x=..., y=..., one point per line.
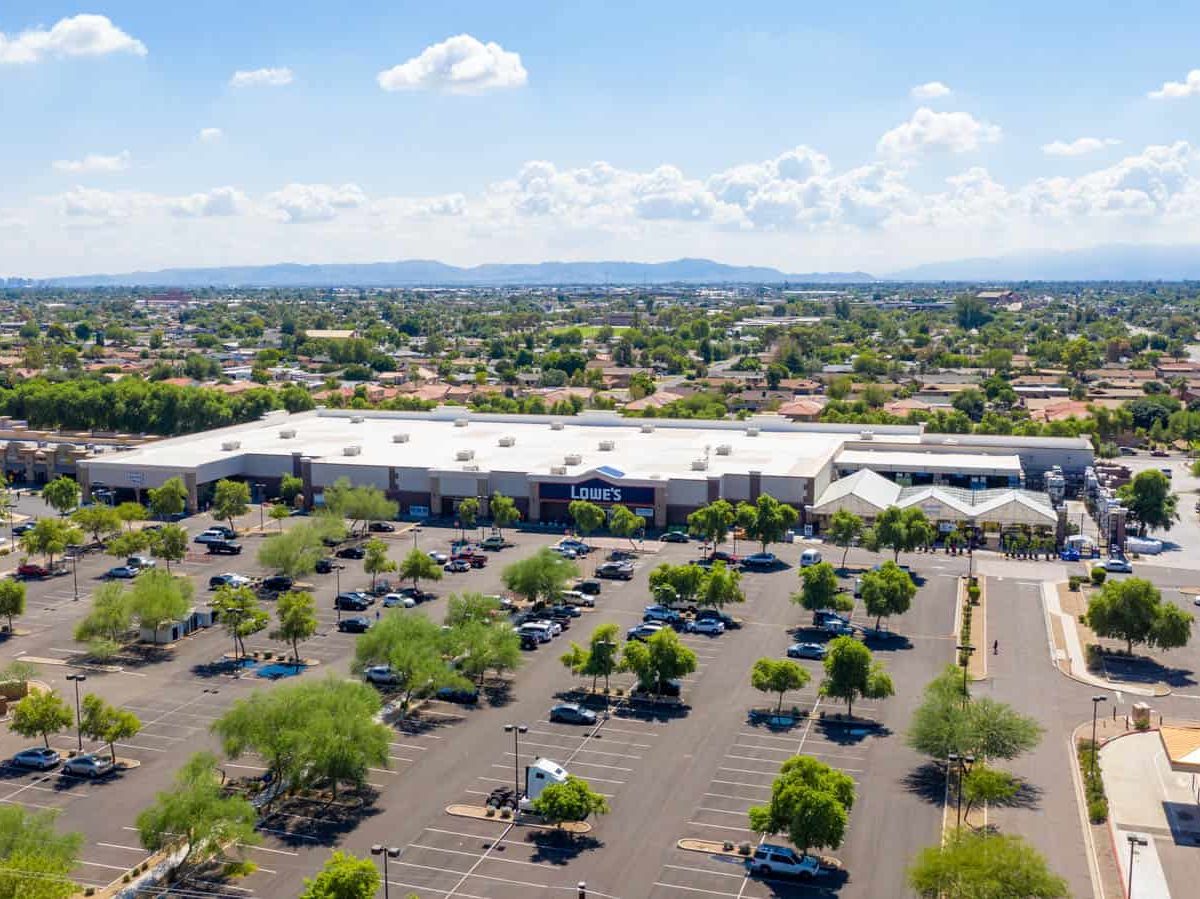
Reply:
x=1121, y=566
x=439, y=557
x=710, y=626
x=770, y=859
x=381, y=674
x=397, y=599
x=555, y=627
x=565, y=551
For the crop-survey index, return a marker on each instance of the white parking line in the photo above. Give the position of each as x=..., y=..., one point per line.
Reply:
x=584, y=748
x=102, y=865
x=739, y=783
x=424, y=889
x=592, y=764
x=119, y=846
x=719, y=826
x=509, y=861
x=721, y=811
x=702, y=871
x=728, y=796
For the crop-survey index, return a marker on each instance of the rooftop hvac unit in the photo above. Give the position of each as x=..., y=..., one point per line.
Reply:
x=724, y=449
x=461, y=422
x=572, y=459
x=465, y=455
x=866, y=435
x=353, y=450
x=699, y=465
x=402, y=437
x=508, y=441
x=556, y=426
x=558, y=469
x=287, y=433
x=231, y=445
x=647, y=429
x=471, y=467
x=607, y=446
x=356, y=419
x=751, y=432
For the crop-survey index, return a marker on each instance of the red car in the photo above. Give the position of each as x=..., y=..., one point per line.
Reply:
x=30, y=570
x=471, y=554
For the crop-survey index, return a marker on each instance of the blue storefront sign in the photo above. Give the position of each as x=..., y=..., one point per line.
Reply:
x=596, y=490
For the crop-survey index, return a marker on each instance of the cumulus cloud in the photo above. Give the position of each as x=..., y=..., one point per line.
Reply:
x=300, y=203
x=930, y=90
x=458, y=65
x=82, y=35
x=261, y=77
x=211, y=135
x=218, y=201
x=1177, y=90
x=957, y=132
x=93, y=164
x=1078, y=147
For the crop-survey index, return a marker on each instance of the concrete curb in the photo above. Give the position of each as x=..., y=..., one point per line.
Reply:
x=1081, y=807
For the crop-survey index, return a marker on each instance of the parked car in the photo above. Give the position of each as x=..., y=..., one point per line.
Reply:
x=644, y=631
x=770, y=859
x=358, y=625
x=661, y=614
x=674, y=537
x=457, y=566
x=417, y=594
x=38, y=757
x=565, y=551
x=615, y=571
x=575, y=598
x=32, y=570
x=277, y=583
x=838, y=628
x=1070, y=554
x=760, y=561
x=351, y=552
x=1121, y=566
x=88, y=765
x=458, y=695
x=227, y=532
x=325, y=566
x=731, y=623
x=350, y=602
x=559, y=612
x=710, y=626
x=381, y=527
x=381, y=674
x=620, y=555
x=589, y=586
x=806, y=651
x=528, y=641
x=494, y=543
x=122, y=572
x=395, y=599
x=1127, y=451
x=224, y=548
x=140, y=562
x=210, y=536
x=439, y=557
x=821, y=617
x=580, y=548
x=23, y=528
x=228, y=579
x=810, y=557
x=572, y=713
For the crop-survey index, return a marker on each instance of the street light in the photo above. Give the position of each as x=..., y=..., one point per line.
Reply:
x=609, y=646
x=1134, y=840
x=337, y=603
x=965, y=651
x=516, y=730
x=78, y=719
x=1096, y=700
x=75, y=573
x=964, y=763
x=386, y=853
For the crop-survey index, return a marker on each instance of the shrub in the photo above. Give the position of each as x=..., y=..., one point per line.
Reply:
x=744, y=848
x=1074, y=581
x=1095, y=656
x=973, y=592
x=1098, y=811
x=1098, y=576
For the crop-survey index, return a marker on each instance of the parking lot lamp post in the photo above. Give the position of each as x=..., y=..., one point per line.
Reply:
x=965, y=651
x=386, y=853
x=78, y=719
x=516, y=730
x=1096, y=700
x=964, y=766
x=75, y=573
x=583, y=889
x=1134, y=840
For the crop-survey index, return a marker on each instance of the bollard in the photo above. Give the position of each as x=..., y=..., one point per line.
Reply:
x=582, y=889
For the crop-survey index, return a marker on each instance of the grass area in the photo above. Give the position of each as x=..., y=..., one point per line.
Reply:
x=590, y=331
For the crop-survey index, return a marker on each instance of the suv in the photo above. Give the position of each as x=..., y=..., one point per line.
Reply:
x=325, y=566
x=589, y=586
x=229, y=579
x=277, y=583
x=381, y=527
x=494, y=543
x=771, y=859
x=760, y=561
x=224, y=548
x=351, y=602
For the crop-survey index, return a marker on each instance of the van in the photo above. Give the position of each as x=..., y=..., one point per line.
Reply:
x=540, y=632
x=810, y=557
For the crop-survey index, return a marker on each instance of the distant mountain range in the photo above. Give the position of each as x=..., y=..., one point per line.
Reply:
x=1114, y=262
x=421, y=272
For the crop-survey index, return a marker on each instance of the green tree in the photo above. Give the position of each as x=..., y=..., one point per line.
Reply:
x=887, y=591
x=290, y=487
x=295, y=552
x=168, y=500
x=468, y=514
x=1133, y=610
x=239, y=610
x=297, y=613
x=110, y=621
x=197, y=812
x=820, y=588
x=465, y=607
x=62, y=494
x=599, y=659
x=810, y=802
x=903, y=530
x=986, y=784
x=279, y=514
x=971, y=402
x=851, y=673
x=844, y=528
x=362, y=504
x=40, y=714
x=661, y=658
x=130, y=513
x=971, y=312
x=12, y=600
x=344, y=876
x=169, y=543
x=158, y=598
x=624, y=523
x=681, y=584
x=1150, y=502
x=98, y=520
x=540, y=577
x=712, y=522
x=101, y=721
x=772, y=519
x=35, y=859
x=573, y=800
x=231, y=499
x=376, y=561
x=50, y=537
x=778, y=676
x=503, y=510
x=720, y=586
x=414, y=648
x=980, y=865
x=943, y=723
x=417, y=567
x=588, y=517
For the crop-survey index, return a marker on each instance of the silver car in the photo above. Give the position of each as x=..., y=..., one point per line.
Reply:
x=39, y=757
x=89, y=765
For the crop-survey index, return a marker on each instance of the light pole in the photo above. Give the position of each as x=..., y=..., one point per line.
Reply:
x=75, y=573
x=965, y=651
x=516, y=730
x=1134, y=840
x=337, y=603
x=385, y=852
x=1096, y=700
x=78, y=718
x=964, y=763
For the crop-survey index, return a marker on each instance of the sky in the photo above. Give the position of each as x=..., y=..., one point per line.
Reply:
x=850, y=137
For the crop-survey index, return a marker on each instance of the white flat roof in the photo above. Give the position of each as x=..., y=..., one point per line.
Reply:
x=931, y=462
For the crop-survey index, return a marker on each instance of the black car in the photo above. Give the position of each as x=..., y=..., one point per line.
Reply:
x=325, y=566
x=589, y=587
x=674, y=537
x=223, y=548
x=358, y=625
x=227, y=533
x=615, y=571
x=351, y=552
x=23, y=528
x=469, y=696
x=279, y=583
x=529, y=642
x=729, y=621
x=349, y=602
x=381, y=527
x=572, y=713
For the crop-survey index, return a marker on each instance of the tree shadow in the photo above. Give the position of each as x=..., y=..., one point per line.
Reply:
x=1145, y=670
x=887, y=642
x=651, y=710
x=1028, y=796
x=498, y=693
x=850, y=731
x=557, y=847
x=304, y=821
x=927, y=782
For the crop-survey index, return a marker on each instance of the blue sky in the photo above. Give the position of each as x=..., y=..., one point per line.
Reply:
x=756, y=133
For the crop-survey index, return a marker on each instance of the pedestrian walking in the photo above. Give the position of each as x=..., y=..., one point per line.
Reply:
x=996, y=647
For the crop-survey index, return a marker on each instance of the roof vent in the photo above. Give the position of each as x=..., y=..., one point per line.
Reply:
x=866, y=435
x=508, y=441
x=558, y=469
x=572, y=459
x=401, y=437
x=231, y=445
x=656, y=477
x=607, y=446
x=751, y=432
x=471, y=467
x=724, y=449
x=352, y=450
x=356, y=419
x=465, y=455
x=287, y=433
x=556, y=426
x=699, y=465
x=647, y=428
x=461, y=422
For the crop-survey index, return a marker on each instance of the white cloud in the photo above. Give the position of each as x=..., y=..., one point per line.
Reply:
x=93, y=164
x=1175, y=90
x=83, y=35
x=299, y=203
x=930, y=90
x=957, y=132
x=261, y=77
x=458, y=65
x=1078, y=147
x=218, y=201
x=211, y=135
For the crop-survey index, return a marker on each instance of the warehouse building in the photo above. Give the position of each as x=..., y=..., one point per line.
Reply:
x=662, y=470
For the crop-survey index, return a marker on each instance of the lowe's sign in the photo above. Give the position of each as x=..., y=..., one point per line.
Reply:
x=598, y=491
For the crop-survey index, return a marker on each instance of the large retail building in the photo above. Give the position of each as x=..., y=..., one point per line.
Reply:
x=662, y=470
